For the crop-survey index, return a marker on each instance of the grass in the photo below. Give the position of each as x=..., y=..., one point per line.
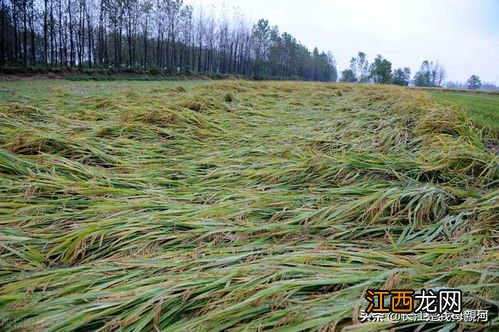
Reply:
x=182, y=206
x=483, y=108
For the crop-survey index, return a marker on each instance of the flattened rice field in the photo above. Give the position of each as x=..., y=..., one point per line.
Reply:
x=237, y=205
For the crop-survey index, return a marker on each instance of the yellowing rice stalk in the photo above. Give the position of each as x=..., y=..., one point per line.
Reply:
x=239, y=206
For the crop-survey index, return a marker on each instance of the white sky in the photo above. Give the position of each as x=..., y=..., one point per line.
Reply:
x=462, y=34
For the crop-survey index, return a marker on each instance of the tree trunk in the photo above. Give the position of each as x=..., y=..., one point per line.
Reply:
x=45, y=33
x=25, y=33
x=71, y=41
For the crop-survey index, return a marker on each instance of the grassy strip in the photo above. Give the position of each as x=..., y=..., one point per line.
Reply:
x=461, y=91
x=483, y=109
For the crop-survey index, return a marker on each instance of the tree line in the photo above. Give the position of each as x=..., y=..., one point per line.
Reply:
x=154, y=35
x=473, y=83
x=168, y=36
x=430, y=74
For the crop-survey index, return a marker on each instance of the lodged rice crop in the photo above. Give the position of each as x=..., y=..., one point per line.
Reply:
x=239, y=206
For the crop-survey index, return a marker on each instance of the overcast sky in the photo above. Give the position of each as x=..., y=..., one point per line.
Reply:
x=462, y=34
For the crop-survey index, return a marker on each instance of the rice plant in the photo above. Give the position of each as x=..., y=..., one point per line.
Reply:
x=238, y=206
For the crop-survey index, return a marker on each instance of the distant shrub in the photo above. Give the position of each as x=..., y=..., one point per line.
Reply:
x=11, y=70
